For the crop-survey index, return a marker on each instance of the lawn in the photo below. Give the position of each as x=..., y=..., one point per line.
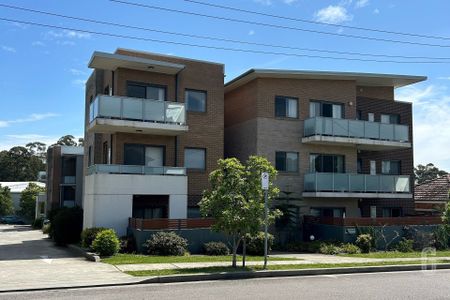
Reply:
x=121, y=259
x=394, y=254
x=212, y=270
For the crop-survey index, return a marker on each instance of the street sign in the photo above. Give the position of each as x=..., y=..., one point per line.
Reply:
x=265, y=180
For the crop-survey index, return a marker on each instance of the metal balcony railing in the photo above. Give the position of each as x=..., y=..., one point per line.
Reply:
x=135, y=170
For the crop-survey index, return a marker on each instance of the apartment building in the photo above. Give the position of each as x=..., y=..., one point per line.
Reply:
x=64, y=176
x=154, y=130
x=341, y=142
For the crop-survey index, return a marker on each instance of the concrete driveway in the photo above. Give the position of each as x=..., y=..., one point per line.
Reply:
x=29, y=260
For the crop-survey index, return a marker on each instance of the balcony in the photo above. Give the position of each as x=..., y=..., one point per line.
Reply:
x=345, y=185
x=365, y=135
x=109, y=114
x=135, y=170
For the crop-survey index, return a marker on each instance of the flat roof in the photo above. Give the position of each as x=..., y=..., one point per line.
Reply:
x=19, y=186
x=112, y=61
x=364, y=79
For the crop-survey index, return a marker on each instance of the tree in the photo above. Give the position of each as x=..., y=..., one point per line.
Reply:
x=67, y=140
x=6, y=203
x=235, y=199
x=19, y=164
x=38, y=149
x=28, y=201
x=428, y=172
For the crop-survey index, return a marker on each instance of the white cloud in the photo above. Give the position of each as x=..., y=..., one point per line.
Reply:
x=361, y=3
x=376, y=11
x=251, y=32
x=289, y=2
x=37, y=44
x=30, y=118
x=264, y=2
x=66, y=43
x=8, y=49
x=28, y=137
x=333, y=14
x=77, y=72
x=431, y=106
x=444, y=77
x=68, y=34
x=79, y=82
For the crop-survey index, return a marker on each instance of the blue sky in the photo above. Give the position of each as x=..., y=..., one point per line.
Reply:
x=44, y=70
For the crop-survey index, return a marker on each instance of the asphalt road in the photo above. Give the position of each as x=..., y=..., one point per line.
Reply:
x=398, y=285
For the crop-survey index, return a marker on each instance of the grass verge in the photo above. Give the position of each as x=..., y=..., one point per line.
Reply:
x=121, y=259
x=213, y=270
x=394, y=254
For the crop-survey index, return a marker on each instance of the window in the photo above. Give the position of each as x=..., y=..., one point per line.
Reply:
x=195, y=158
x=105, y=153
x=371, y=117
x=325, y=109
x=195, y=100
x=373, y=167
x=359, y=165
x=326, y=163
x=142, y=155
x=327, y=212
x=391, y=167
x=146, y=91
x=286, y=161
x=358, y=115
x=390, y=119
x=193, y=212
x=90, y=156
x=392, y=212
x=286, y=107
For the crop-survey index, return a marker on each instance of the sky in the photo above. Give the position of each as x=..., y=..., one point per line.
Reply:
x=43, y=70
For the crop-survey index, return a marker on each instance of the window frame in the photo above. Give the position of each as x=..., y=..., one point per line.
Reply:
x=205, y=159
x=390, y=161
x=321, y=103
x=334, y=164
x=143, y=158
x=186, y=102
x=390, y=115
x=145, y=85
x=285, y=161
x=285, y=98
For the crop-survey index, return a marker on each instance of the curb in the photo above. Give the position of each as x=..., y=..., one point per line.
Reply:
x=288, y=273
x=246, y=275
x=82, y=252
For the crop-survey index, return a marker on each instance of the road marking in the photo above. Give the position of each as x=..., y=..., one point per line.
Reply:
x=46, y=259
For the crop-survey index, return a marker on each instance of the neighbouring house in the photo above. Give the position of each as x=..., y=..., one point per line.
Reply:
x=431, y=196
x=154, y=130
x=16, y=188
x=64, y=176
x=340, y=141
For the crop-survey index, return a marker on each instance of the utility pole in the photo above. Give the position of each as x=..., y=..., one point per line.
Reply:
x=265, y=187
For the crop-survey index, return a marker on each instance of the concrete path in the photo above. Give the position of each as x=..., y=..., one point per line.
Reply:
x=306, y=258
x=29, y=260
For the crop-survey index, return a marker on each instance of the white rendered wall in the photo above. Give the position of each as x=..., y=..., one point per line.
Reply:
x=108, y=198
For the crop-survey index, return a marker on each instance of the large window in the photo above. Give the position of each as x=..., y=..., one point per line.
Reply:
x=195, y=158
x=392, y=212
x=391, y=167
x=153, y=92
x=326, y=163
x=286, y=161
x=195, y=100
x=390, y=119
x=326, y=109
x=286, y=107
x=332, y=212
x=142, y=155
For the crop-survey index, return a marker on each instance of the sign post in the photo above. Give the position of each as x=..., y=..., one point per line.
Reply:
x=265, y=187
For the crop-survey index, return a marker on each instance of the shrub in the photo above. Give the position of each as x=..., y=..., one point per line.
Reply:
x=66, y=225
x=364, y=242
x=46, y=228
x=255, y=244
x=106, y=243
x=350, y=249
x=441, y=238
x=216, y=248
x=405, y=245
x=311, y=247
x=166, y=243
x=127, y=244
x=88, y=236
x=330, y=249
x=38, y=223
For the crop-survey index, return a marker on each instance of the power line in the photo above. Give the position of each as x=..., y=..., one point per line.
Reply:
x=276, y=25
x=213, y=38
x=317, y=22
x=212, y=47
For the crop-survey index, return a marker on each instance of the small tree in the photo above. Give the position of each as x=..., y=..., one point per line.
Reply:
x=6, y=203
x=236, y=200
x=446, y=217
x=428, y=172
x=28, y=201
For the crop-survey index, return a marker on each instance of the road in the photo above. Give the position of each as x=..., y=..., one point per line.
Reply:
x=398, y=285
